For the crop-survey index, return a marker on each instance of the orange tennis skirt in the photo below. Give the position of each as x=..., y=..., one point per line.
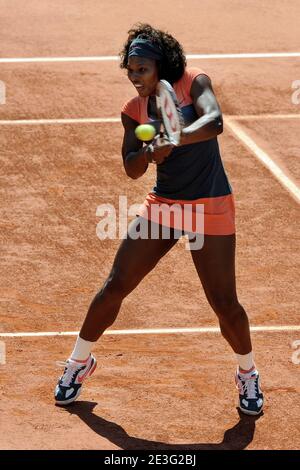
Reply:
x=208, y=216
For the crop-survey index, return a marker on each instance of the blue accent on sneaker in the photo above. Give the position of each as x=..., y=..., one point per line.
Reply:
x=251, y=399
x=70, y=383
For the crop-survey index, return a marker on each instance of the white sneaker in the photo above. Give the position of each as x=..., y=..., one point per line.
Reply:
x=251, y=399
x=70, y=383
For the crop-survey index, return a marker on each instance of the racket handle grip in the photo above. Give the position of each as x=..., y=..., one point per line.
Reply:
x=161, y=139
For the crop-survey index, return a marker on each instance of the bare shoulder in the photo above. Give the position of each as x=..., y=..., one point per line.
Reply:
x=201, y=83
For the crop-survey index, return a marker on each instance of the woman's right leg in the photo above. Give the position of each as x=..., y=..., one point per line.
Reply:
x=135, y=258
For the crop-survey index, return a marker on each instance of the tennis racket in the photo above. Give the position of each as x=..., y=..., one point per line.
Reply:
x=169, y=111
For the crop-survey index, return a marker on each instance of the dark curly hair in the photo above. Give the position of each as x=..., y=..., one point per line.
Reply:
x=172, y=66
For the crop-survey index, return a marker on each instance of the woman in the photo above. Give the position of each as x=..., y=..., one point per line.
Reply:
x=189, y=173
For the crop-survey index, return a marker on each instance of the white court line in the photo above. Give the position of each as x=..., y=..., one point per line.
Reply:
x=10, y=122
x=251, y=55
x=32, y=122
x=149, y=331
x=264, y=158
x=257, y=117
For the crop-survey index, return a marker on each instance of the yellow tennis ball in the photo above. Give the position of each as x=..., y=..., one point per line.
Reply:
x=145, y=132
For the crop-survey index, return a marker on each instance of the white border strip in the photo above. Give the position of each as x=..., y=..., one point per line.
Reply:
x=257, y=117
x=148, y=331
x=109, y=58
x=30, y=122
x=237, y=117
x=250, y=55
x=264, y=158
x=26, y=60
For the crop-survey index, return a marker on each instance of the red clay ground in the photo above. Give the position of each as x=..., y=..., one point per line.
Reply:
x=50, y=272
x=93, y=28
x=98, y=89
x=149, y=391
x=148, y=394
x=279, y=140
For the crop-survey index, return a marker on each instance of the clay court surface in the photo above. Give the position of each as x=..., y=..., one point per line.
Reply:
x=159, y=390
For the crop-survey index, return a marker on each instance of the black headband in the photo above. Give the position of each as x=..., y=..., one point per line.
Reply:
x=144, y=48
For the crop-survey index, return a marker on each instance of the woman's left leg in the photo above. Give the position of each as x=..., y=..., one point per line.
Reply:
x=215, y=265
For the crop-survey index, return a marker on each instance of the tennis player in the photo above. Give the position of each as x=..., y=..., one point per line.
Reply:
x=192, y=173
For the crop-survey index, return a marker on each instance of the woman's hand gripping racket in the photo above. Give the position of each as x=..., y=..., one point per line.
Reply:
x=169, y=112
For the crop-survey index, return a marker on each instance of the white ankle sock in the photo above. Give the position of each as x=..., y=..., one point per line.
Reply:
x=245, y=361
x=82, y=349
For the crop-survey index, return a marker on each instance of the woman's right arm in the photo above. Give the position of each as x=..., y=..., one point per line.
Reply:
x=133, y=153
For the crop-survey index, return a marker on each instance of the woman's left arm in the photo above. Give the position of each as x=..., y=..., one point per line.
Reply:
x=210, y=122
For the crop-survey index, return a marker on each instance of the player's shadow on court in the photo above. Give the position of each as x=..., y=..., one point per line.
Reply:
x=236, y=438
